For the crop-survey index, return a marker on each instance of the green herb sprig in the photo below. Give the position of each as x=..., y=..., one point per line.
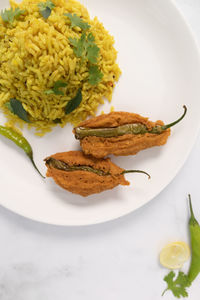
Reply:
x=56, y=88
x=85, y=48
x=177, y=286
x=45, y=8
x=9, y=15
x=77, y=21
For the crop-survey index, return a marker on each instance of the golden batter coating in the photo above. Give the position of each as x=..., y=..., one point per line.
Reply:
x=85, y=182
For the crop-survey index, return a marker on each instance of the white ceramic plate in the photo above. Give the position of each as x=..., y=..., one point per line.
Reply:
x=161, y=71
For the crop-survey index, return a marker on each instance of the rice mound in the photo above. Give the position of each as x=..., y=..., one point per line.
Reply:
x=35, y=53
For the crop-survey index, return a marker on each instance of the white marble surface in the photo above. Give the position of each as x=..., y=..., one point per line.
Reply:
x=115, y=261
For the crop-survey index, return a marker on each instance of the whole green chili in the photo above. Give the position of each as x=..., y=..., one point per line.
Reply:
x=60, y=165
x=135, y=128
x=20, y=141
x=194, y=228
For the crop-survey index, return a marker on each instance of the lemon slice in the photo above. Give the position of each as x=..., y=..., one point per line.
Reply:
x=174, y=255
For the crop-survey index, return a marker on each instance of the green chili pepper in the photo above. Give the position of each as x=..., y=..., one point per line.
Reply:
x=60, y=165
x=194, y=228
x=20, y=141
x=136, y=128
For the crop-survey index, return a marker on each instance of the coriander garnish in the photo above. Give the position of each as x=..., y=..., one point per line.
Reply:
x=95, y=75
x=77, y=21
x=9, y=15
x=85, y=48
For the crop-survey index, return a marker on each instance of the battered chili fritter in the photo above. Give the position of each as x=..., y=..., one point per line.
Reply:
x=85, y=175
x=121, y=133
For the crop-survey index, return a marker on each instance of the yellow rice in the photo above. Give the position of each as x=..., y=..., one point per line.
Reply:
x=35, y=53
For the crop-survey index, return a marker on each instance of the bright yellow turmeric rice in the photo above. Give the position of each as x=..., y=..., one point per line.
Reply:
x=36, y=52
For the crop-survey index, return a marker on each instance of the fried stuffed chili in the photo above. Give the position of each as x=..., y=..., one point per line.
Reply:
x=121, y=133
x=21, y=142
x=84, y=175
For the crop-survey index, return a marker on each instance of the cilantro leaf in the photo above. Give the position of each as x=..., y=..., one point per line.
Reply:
x=85, y=48
x=77, y=21
x=8, y=15
x=45, y=8
x=90, y=38
x=177, y=286
x=56, y=88
x=80, y=48
x=92, y=53
x=16, y=107
x=74, y=103
x=73, y=42
x=95, y=75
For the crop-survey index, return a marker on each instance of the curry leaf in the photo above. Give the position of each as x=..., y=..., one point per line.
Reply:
x=8, y=15
x=45, y=8
x=77, y=21
x=74, y=103
x=46, y=12
x=18, y=109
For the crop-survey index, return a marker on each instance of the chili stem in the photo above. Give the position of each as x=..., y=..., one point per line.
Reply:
x=192, y=221
x=164, y=127
x=136, y=171
x=191, y=208
x=34, y=165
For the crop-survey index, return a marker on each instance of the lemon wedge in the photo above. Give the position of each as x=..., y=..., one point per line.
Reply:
x=174, y=255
